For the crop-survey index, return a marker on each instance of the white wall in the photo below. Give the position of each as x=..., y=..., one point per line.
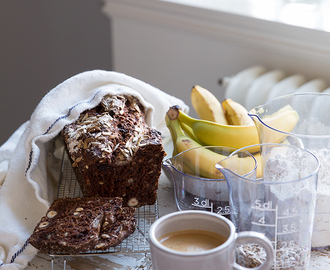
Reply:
x=174, y=46
x=42, y=43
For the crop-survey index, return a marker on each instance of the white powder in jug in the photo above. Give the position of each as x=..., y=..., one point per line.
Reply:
x=287, y=165
x=321, y=230
x=313, y=126
x=323, y=185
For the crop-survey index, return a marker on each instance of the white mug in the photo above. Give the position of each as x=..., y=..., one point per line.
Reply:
x=221, y=257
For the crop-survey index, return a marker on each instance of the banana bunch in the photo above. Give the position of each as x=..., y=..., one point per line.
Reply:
x=202, y=158
x=201, y=161
x=220, y=134
x=224, y=124
x=234, y=127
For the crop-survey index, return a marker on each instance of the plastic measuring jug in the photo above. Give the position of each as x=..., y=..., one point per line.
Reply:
x=198, y=185
x=312, y=132
x=280, y=203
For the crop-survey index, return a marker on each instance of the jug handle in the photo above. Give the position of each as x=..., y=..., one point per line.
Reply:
x=260, y=239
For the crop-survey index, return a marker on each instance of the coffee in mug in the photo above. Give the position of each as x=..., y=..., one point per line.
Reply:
x=195, y=240
x=192, y=241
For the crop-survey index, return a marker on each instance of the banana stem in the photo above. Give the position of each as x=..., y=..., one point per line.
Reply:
x=173, y=112
x=173, y=133
x=176, y=129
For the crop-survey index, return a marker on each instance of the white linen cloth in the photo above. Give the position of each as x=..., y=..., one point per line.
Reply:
x=27, y=186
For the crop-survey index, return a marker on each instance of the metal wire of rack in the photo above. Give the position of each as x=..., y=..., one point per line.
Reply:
x=137, y=242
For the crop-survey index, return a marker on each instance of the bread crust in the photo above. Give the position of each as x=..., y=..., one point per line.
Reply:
x=77, y=225
x=114, y=153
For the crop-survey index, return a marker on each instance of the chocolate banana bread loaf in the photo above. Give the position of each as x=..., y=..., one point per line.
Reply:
x=78, y=225
x=114, y=152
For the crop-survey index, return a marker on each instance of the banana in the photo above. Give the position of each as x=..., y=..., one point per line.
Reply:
x=189, y=132
x=236, y=113
x=210, y=133
x=207, y=105
x=202, y=161
x=284, y=119
x=173, y=134
x=243, y=165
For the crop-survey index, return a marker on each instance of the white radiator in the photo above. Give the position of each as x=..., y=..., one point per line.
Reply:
x=256, y=85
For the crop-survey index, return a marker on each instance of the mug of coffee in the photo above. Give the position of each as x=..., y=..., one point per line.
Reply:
x=196, y=240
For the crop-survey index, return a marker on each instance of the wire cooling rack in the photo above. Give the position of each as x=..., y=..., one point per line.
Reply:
x=136, y=243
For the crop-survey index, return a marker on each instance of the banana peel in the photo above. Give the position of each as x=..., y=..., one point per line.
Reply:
x=189, y=132
x=275, y=127
x=206, y=105
x=211, y=133
x=236, y=113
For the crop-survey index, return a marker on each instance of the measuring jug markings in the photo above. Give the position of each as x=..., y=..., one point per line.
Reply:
x=205, y=203
x=281, y=255
x=279, y=244
x=202, y=204
x=267, y=206
x=284, y=229
x=280, y=261
x=291, y=227
x=280, y=213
